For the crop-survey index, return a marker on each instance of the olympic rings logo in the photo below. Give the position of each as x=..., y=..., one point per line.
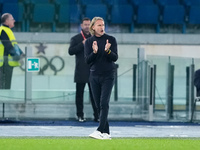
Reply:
x=49, y=63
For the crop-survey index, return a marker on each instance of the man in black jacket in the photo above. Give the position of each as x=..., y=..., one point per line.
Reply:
x=81, y=75
x=101, y=53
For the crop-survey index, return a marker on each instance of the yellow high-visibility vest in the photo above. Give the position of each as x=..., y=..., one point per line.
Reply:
x=11, y=37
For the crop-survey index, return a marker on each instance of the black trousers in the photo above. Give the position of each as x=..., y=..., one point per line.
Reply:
x=5, y=76
x=79, y=100
x=101, y=89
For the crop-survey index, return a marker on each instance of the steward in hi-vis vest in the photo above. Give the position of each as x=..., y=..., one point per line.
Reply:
x=11, y=61
x=10, y=53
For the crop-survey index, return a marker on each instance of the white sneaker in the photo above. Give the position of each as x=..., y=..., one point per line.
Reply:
x=106, y=136
x=96, y=135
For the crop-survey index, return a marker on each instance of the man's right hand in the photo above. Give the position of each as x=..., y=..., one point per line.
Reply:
x=95, y=47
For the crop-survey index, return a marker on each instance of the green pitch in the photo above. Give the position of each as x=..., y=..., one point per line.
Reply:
x=92, y=144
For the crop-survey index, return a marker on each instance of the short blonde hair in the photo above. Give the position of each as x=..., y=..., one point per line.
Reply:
x=92, y=24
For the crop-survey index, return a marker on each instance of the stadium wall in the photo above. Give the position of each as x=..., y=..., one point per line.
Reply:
x=155, y=44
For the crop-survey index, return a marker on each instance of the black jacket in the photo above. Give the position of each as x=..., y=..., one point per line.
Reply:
x=102, y=62
x=81, y=74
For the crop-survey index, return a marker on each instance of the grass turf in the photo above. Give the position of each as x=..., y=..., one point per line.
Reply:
x=92, y=144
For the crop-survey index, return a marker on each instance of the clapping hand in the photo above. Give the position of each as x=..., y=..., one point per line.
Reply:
x=95, y=47
x=107, y=46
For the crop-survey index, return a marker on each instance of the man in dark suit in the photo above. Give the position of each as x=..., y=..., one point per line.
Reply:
x=81, y=75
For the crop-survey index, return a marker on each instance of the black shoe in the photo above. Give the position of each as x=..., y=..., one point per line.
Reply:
x=81, y=119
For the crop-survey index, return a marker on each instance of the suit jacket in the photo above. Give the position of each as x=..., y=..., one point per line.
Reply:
x=81, y=74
